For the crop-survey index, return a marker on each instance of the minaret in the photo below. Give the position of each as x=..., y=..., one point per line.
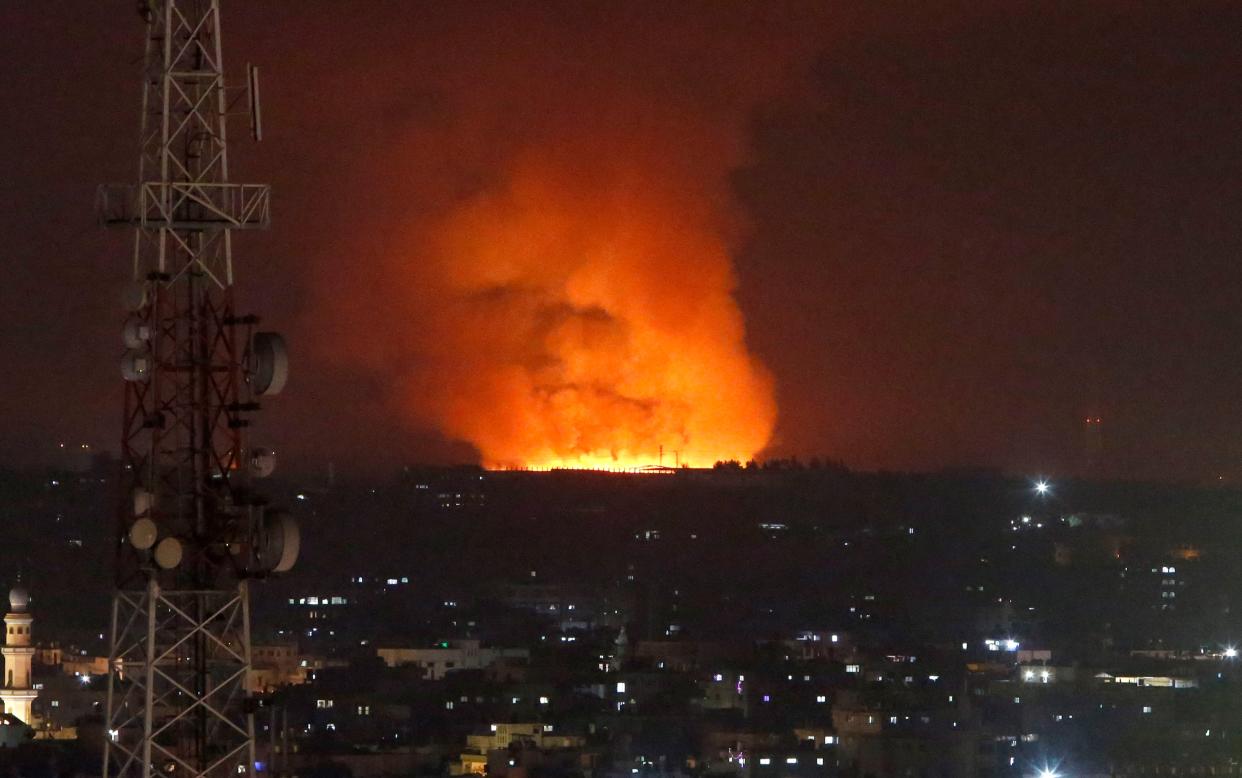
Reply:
x=18, y=691
x=620, y=651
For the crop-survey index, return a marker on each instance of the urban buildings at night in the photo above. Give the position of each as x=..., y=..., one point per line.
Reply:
x=775, y=621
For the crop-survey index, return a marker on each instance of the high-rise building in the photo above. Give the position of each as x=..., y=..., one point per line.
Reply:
x=18, y=693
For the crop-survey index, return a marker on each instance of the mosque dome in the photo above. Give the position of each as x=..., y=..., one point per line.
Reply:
x=19, y=599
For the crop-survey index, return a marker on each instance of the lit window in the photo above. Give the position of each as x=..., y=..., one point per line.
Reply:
x=620, y=687
x=821, y=698
x=765, y=760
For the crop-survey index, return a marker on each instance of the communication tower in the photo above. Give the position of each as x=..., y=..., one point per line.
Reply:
x=191, y=532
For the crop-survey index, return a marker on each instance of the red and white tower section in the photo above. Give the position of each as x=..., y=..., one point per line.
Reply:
x=18, y=693
x=192, y=530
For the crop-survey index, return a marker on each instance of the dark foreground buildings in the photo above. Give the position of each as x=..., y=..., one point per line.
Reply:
x=767, y=622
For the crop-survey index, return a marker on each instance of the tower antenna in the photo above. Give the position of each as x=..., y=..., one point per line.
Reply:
x=190, y=532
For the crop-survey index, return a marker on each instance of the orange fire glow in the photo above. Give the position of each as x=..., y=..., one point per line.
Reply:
x=549, y=276
x=587, y=324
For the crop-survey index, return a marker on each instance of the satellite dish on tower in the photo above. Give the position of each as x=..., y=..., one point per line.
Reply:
x=134, y=296
x=168, y=553
x=143, y=533
x=269, y=363
x=274, y=545
x=290, y=537
x=136, y=365
x=143, y=502
x=136, y=333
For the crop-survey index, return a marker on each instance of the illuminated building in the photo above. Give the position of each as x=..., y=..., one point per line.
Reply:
x=276, y=665
x=493, y=753
x=449, y=657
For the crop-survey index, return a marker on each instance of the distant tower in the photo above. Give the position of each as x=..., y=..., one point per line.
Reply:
x=1093, y=443
x=620, y=651
x=18, y=692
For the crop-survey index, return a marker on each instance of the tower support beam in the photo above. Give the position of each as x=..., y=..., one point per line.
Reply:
x=177, y=694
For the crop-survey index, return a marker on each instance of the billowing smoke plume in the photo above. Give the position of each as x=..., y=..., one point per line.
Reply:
x=584, y=316
x=559, y=290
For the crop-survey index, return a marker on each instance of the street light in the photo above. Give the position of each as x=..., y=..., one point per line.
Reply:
x=1041, y=487
x=1231, y=652
x=1048, y=772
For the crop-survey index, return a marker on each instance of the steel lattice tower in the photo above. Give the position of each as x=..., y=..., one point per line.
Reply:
x=190, y=532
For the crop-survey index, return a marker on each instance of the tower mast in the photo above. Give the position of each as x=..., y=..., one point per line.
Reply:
x=190, y=532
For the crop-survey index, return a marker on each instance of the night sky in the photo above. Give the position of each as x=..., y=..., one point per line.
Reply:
x=955, y=232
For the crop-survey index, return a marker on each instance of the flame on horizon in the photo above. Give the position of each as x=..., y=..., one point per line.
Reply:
x=547, y=273
x=588, y=322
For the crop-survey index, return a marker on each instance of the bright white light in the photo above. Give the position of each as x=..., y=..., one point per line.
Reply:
x=1231, y=652
x=1048, y=772
x=1041, y=487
